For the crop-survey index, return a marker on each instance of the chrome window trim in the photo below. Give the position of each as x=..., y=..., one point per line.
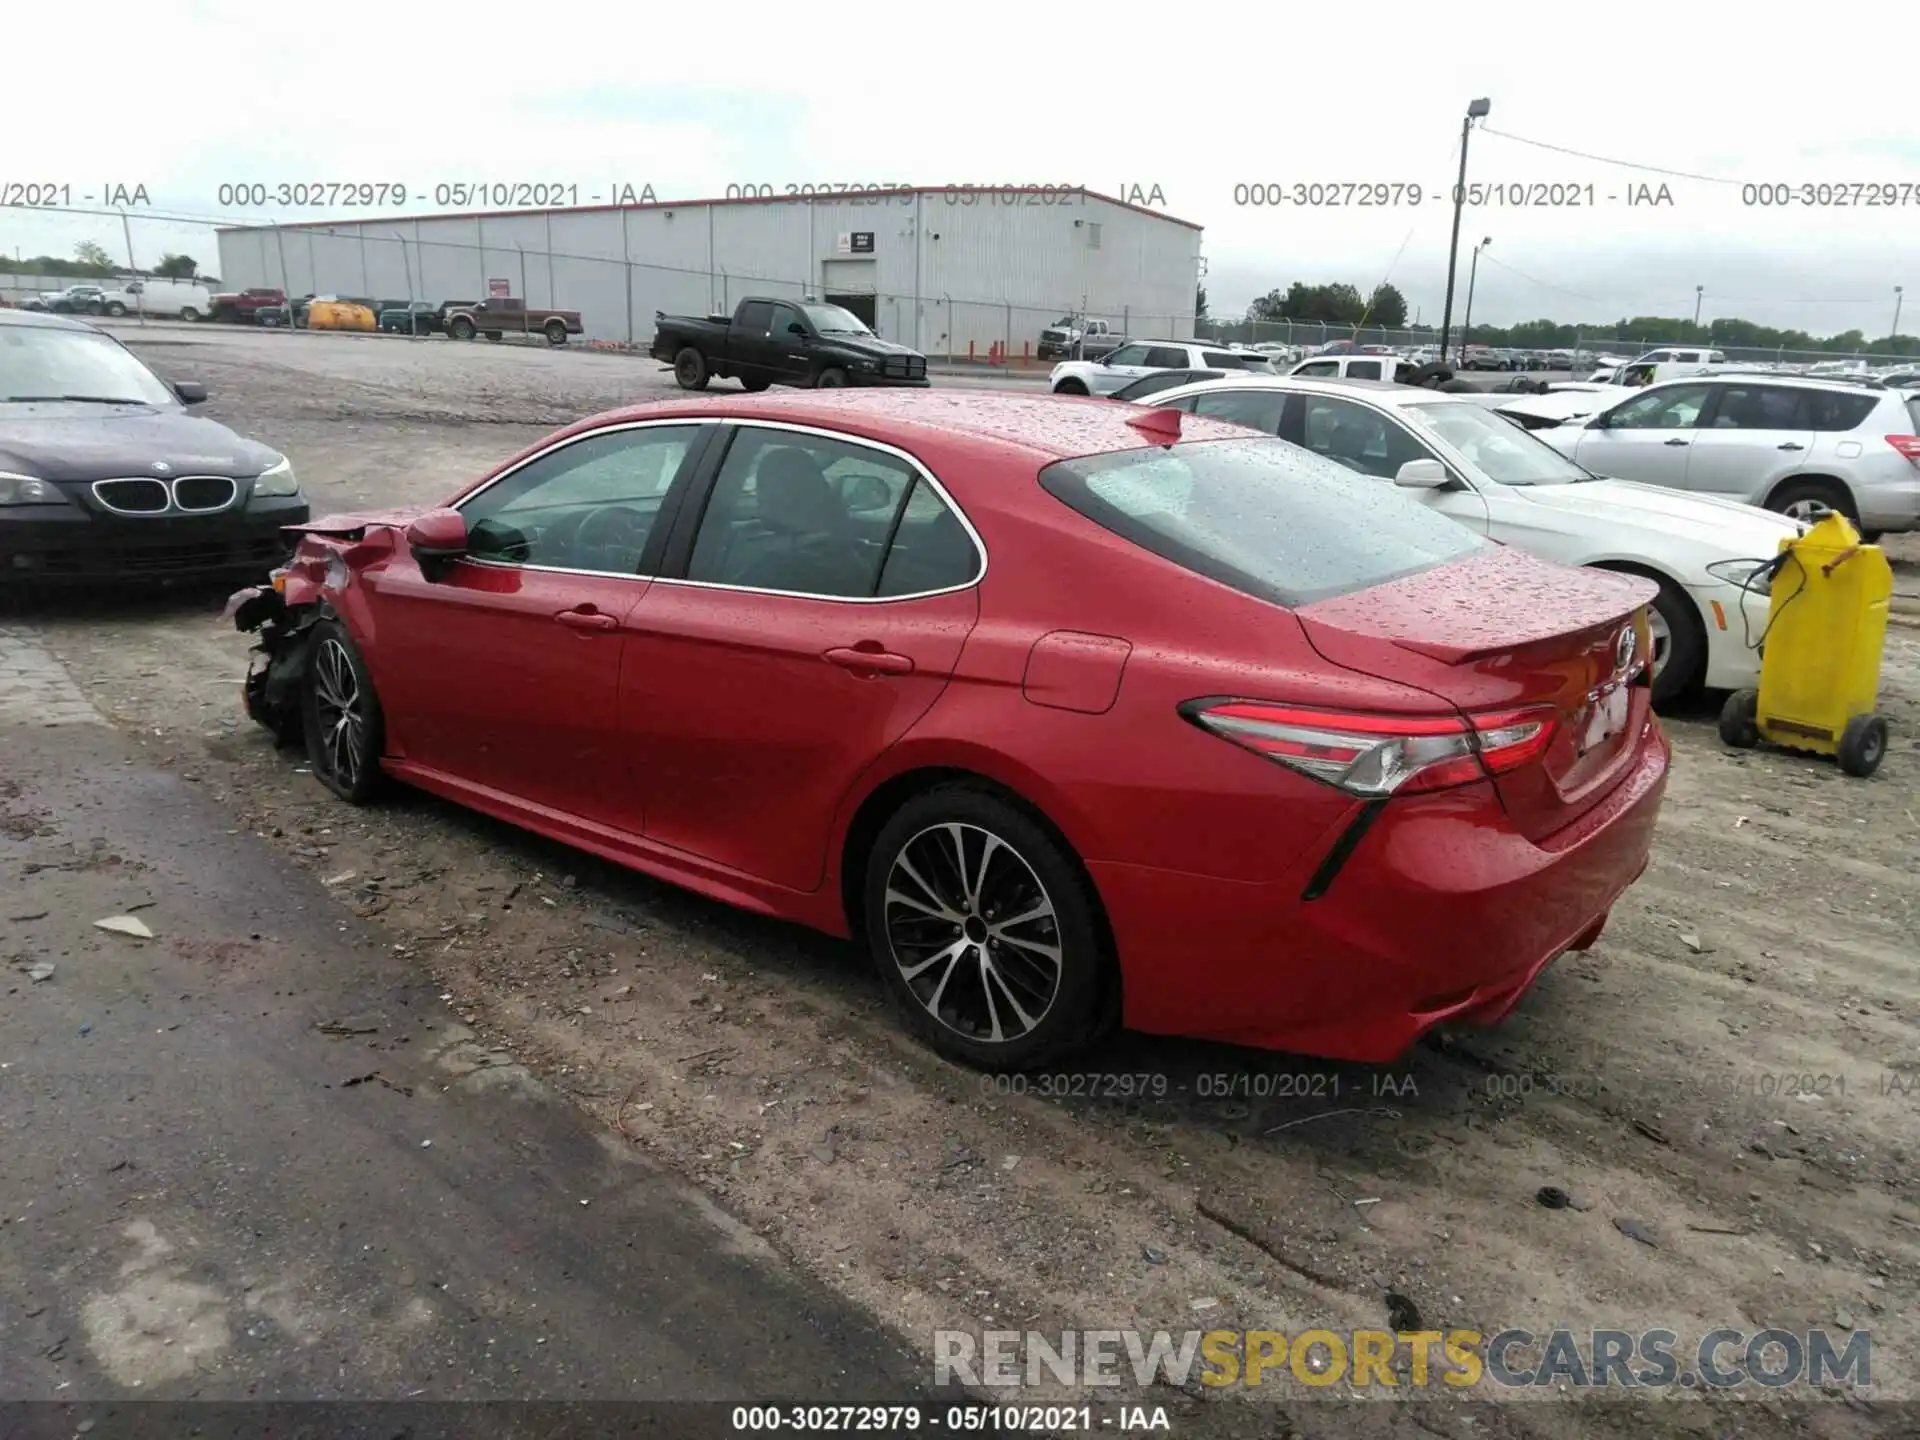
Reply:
x=165, y=489
x=912, y=463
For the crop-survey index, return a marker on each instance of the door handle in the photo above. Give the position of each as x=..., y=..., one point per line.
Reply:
x=1677, y=441
x=1790, y=445
x=879, y=662
x=587, y=620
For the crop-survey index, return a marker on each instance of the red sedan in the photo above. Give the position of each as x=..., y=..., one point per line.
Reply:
x=1070, y=717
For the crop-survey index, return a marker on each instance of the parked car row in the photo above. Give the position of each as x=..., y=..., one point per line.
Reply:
x=143, y=295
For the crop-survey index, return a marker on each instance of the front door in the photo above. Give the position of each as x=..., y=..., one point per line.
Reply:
x=789, y=352
x=1647, y=438
x=753, y=350
x=1365, y=439
x=1122, y=367
x=826, y=595
x=507, y=665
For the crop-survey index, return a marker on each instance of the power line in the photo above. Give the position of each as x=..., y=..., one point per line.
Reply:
x=1611, y=160
x=1557, y=289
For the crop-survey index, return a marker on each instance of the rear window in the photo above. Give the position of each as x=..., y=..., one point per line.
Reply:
x=1913, y=410
x=1261, y=516
x=1234, y=359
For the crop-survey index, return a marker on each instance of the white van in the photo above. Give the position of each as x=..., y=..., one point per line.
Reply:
x=157, y=295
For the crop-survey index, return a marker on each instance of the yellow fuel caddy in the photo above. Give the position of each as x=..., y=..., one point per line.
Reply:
x=1820, y=655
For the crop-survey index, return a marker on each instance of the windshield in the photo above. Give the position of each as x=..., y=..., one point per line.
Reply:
x=1262, y=516
x=832, y=320
x=47, y=364
x=1498, y=449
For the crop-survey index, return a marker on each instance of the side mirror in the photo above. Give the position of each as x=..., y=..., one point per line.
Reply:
x=796, y=328
x=1421, y=475
x=191, y=392
x=438, y=535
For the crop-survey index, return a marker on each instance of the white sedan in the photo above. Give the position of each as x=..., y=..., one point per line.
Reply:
x=1708, y=556
x=1144, y=357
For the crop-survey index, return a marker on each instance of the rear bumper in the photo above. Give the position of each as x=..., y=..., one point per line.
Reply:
x=70, y=546
x=1441, y=913
x=1890, y=501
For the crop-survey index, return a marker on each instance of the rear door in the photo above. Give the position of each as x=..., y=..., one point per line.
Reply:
x=818, y=599
x=1122, y=367
x=1750, y=434
x=506, y=667
x=1646, y=438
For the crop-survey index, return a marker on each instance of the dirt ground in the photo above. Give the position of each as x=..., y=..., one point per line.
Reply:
x=1736, y=1066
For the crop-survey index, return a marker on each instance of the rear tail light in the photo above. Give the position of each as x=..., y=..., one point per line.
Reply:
x=1379, y=755
x=1907, y=445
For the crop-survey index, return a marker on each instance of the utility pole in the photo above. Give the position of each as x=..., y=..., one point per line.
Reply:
x=1466, y=325
x=140, y=298
x=1698, y=291
x=1897, y=291
x=1476, y=110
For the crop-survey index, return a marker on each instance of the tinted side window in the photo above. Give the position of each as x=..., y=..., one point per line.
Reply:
x=1185, y=404
x=931, y=549
x=783, y=316
x=799, y=513
x=1363, y=370
x=589, y=506
x=1357, y=437
x=1835, y=410
x=1228, y=359
x=1319, y=367
x=1676, y=408
x=755, y=317
x=1165, y=357
x=1129, y=355
x=1260, y=409
x=1761, y=407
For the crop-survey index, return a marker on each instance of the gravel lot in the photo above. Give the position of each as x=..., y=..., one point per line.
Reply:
x=1663, y=1077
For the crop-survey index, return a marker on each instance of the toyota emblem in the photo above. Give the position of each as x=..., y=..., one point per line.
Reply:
x=1623, y=646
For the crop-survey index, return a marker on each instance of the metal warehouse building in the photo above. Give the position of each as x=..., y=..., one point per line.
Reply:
x=945, y=270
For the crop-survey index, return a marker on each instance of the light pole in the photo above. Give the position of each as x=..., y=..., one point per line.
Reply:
x=1897, y=292
x=1466, y=324
x=1476, y=110
x=1698, y=291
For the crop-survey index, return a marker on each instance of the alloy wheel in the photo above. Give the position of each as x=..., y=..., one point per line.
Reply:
x=973, y=932
x=1661, y=634
x=343, y=723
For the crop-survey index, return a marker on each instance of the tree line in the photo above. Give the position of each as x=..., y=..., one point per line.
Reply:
x=1343, y=306
x=90, y=261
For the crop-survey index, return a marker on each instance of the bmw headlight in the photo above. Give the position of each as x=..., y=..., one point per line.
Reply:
x=28, y=490
x=1754, y=575
x=277, y=480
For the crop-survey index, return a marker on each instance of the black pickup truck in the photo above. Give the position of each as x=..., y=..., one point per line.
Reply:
x=783, y=342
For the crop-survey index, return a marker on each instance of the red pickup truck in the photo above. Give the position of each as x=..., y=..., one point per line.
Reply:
x=494, y=318
x=244, y=306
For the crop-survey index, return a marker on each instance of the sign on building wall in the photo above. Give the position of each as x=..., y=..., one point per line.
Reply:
x=499, y=290
x=854, y=242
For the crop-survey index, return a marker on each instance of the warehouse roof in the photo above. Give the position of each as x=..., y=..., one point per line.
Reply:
x=851, y=196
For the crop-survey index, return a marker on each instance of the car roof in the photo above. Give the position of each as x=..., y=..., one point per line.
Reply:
x=1777, y=377
x=40, y=319
x=1048, y=427
x=1386, y=390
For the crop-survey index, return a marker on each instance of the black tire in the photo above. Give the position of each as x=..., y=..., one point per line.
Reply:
x=189, y=314
x=116, y=308
x=831, y=378
x=754, y=387
x=1070, y=387
x=690, y=369
x=1740, y=719
x=556, y=331
x=344, y=729
x=1799, y=493
x=461, y=328
x=1685, y=664
x=1870, y=537
x=1863, y=745
x=1059, y=1009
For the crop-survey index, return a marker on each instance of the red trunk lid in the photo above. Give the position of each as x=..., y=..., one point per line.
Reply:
x=1504, y=630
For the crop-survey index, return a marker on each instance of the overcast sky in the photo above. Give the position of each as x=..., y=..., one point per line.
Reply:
x=1194, y=102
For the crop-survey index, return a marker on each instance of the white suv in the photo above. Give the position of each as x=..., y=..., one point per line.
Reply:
x=1788, y=442
x=1144, y=357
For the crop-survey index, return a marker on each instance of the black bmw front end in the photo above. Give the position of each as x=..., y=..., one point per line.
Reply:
x=105, y=478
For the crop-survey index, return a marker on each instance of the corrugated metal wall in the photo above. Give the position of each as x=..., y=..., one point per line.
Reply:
x=952, y=270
